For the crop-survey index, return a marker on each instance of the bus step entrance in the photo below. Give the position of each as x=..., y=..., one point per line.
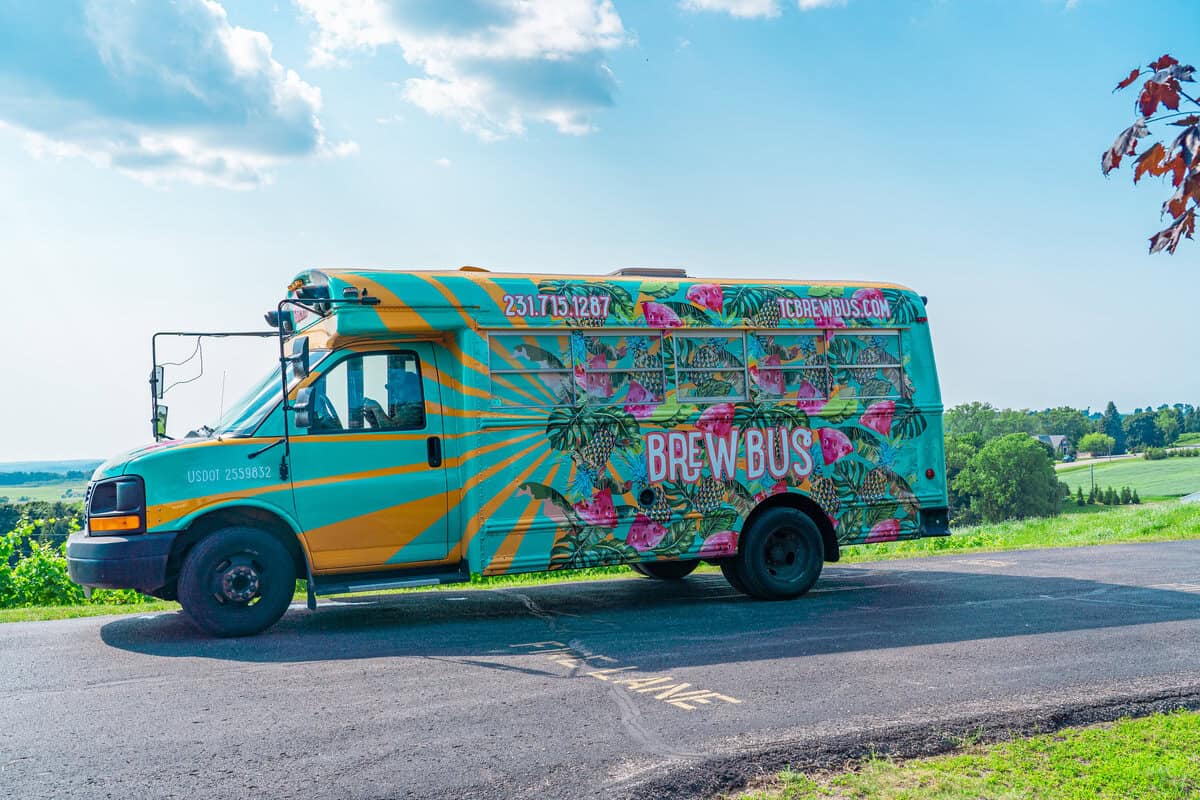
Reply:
x=391, y=579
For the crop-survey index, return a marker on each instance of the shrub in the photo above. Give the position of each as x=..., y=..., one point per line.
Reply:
x=1010, y=478
x=1154, y=454
x=33, y=572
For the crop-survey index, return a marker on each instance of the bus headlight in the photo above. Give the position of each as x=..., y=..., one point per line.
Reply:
x=116, y=505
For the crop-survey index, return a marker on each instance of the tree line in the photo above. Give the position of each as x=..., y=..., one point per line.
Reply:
x=1136, y=431
x=20, y=478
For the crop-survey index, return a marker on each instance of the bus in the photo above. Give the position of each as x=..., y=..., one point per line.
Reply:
x=424, y=426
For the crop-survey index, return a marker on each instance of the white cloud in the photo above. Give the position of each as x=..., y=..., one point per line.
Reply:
x=442, y=162
x=745, y=9
x=750, y=9
x=160, y=91
x=489, y=65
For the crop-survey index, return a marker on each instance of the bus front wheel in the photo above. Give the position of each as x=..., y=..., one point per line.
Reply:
x=780, y=556
x=237, y=581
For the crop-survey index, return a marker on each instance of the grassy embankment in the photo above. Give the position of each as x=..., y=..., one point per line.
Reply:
x=1168, y=478
x=1144, y=523
x=1156, y=756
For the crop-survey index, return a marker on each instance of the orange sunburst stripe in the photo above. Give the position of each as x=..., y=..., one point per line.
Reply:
x=508, y=548
x=515, y=364
x=162, y=513
x=497, y=500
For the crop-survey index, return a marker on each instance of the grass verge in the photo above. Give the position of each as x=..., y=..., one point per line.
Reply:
x=1156, y=756
x=1108, y=525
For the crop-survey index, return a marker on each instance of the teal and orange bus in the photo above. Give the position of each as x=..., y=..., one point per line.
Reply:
x=424, y=426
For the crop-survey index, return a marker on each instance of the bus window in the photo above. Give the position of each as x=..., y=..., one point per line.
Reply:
x=530, y=370
x=867, y=364
x=378, y=392
x=789, y=366
x=621, y=369
x=710, y=367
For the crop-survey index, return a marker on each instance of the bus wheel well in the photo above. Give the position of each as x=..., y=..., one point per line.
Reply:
x=807, y=506
x=247, y=516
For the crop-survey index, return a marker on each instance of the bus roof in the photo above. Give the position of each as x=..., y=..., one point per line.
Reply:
x=417, y=301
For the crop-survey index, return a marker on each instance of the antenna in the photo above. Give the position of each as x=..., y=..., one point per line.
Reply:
x=221, y=404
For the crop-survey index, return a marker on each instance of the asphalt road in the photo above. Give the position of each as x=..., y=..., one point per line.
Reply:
x=606, y=689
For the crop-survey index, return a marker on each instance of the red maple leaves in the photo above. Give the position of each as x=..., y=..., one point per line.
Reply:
x=1181, y=160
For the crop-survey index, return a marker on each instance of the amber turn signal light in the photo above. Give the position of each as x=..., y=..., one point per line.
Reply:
x=128, y=522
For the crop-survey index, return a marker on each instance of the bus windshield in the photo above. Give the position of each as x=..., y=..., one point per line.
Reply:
x=244, y=416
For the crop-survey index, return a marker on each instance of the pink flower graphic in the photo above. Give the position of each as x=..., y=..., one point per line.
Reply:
x=719, y=544
x=886, y=531
x=717, y=420
x=707, y=295
x=822, y=321
x=771, y=380
x=778, y=488
x=639, y=402
x=659, y=316
x=600, y=511
x=878, y=417
x=867, y=294
x=644, y=534
x=809, y=401
x=834, y=444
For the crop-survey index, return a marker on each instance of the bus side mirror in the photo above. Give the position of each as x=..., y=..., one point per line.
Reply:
x=156, y=378
x=303, y=407
x=160, y=420
x=299, y=359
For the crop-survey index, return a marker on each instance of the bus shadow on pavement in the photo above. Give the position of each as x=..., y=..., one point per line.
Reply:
x=700, y=620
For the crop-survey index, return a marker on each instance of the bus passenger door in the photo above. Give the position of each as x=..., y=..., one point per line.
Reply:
x=367, y=475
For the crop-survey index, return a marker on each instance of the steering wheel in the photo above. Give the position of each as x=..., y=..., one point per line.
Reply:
x=327, y=413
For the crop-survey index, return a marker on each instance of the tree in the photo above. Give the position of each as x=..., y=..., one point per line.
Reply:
x=1181, y=159
x=1110, y=423
x=1010, y=478
x=1141, y=431
x=1136, y=500
x=1098, y=444
x=1079, y=495
x=1169, y=422
x=1065, y=421
x=1126, y=496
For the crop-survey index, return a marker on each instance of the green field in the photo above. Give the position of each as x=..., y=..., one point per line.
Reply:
x=45, y=491
x=1157, y=756
x=1170, y=477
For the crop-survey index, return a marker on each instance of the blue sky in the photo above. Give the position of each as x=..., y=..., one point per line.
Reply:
x=173, y=165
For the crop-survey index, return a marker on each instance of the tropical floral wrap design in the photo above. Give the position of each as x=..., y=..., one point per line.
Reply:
x=587, y=421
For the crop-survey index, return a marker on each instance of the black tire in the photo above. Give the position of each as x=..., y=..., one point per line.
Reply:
x=781, y=556
x=237, y=582
x=730, y=569
x=668, y=570
x=638, y=569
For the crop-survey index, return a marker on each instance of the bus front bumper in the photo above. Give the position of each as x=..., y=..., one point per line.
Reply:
x=138, y=561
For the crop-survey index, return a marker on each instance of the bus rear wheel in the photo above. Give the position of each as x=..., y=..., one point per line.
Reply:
x=666, y=570
x=780, y=557
x=237, y=581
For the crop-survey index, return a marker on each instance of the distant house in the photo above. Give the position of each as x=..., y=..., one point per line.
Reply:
x=1060, y=444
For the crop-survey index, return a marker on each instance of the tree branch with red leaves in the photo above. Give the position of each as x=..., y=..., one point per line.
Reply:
x=1180, y=160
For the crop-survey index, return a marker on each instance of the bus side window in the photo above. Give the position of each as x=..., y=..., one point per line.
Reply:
x=371, y=392
x=868, y=363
